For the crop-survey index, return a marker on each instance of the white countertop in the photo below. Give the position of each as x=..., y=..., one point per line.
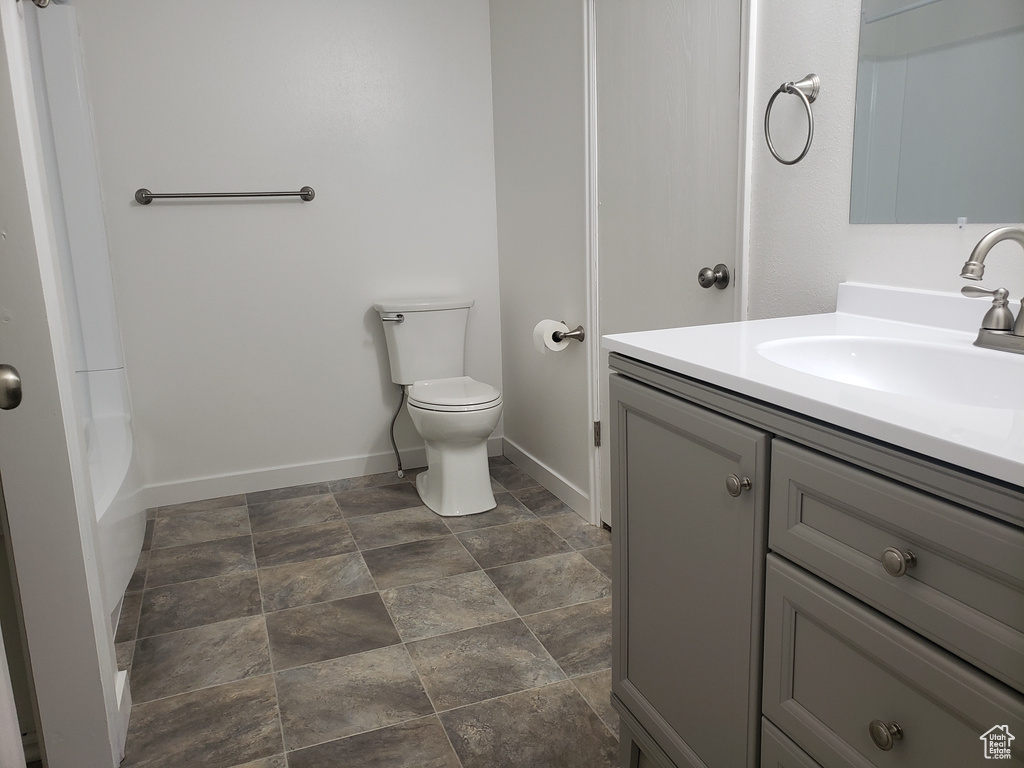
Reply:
x=987, y=440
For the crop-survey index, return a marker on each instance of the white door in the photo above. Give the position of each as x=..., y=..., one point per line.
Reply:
x=50, y=518
x=669, y=134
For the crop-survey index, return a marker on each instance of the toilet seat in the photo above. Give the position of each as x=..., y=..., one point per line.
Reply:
x=460, y=393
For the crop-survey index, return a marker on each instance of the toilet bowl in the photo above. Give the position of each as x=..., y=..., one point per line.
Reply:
x=453, y=413
x=455, y=416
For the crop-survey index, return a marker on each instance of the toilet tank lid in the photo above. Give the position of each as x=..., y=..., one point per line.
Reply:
x=422, y=305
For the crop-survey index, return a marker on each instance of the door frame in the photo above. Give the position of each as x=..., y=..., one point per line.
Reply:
x=600, y=510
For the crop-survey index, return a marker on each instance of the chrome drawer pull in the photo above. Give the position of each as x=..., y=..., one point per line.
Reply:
x=884, y=734
x=737, y=485
x=896, y=562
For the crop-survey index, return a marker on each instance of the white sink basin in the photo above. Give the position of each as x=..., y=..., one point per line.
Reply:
x=965, y=375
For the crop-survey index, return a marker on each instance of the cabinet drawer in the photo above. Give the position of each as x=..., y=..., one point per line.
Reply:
x=779, y=751
x=833, y=666
x=965, y=588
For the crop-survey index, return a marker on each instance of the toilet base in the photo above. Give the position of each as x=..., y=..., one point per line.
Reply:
x=457, y=481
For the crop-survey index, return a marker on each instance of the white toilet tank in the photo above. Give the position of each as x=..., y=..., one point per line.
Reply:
x=429, y=341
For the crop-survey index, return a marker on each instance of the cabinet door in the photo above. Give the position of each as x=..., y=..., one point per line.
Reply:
x=689, y=570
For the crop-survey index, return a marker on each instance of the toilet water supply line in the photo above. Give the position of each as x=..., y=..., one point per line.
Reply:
x=394, y=445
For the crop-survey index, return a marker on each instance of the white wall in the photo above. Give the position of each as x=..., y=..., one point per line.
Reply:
x=540, y=134
x=249, y=339
x=801, y=243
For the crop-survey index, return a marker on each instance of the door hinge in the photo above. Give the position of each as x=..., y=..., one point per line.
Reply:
x=597, y=434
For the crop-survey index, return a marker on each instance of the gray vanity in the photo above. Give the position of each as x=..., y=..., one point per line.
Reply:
x=804, y=576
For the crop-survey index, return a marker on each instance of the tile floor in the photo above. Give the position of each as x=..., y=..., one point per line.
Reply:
x=344, y=624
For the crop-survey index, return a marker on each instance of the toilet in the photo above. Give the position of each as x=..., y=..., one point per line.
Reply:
x=453, y=413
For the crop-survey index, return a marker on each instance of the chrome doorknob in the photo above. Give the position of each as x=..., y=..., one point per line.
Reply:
x=10, y=387
x=718, y=277
x=884, y=734
x=896, y=562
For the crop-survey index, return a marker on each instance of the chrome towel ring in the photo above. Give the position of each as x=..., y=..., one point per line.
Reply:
x=807, y=89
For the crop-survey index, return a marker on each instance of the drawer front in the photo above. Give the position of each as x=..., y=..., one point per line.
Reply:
x=779, y=751
x=965, y=587
x=832, y=667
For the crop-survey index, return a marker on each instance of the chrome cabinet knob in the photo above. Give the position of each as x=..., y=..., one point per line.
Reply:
x=736, y=485
x=896, y=562
x=10, y=387
x=884, y=734
x=718, y=277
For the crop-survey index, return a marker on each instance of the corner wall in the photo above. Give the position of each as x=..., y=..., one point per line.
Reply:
x=802, y=244
x=253, y=355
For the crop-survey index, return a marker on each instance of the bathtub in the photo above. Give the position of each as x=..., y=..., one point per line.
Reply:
x=117, y=495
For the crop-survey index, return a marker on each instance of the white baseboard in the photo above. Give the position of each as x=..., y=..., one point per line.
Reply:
x=124, y=708
x=571, y=495
x=30, y=746
x=195, y=489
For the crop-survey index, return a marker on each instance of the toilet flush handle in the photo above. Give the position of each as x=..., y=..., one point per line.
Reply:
x=397, y=318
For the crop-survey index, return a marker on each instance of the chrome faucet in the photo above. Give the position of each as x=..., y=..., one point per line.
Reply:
x=998, y=328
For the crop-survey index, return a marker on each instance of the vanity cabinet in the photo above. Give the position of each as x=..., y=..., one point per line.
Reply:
x=853, y=605
x=689, y=578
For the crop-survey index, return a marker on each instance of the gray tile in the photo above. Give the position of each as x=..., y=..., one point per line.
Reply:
x=371, y=481
x=219, y=727
x=510, y=477
x=512, y=543
x=138, y=579
x=123, y=652
x=480, y=663
x=601, y=558
x=446, y=605
x=293, y=545
x=291, y=513
x=203, y=601
x=357, y=502
x=550, y=582
x=541, y=501
x=577, y=531
x=341, y=697
x=578, y=637
x=205, y=505
x=418, y=743
x=517, y=730
x=329, y=630
x=596, y=688
x=200, y=561
x=291, y=492
x=196, y=527
x=277, y=761
x=509, y=510
x=418, y=561
x=386, y=529
x=147, y=537
x=199, y=657
x=314, y=581
x=128, y=621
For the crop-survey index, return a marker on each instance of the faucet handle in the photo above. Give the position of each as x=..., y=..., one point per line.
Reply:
x=999, y=316
x=977, y=292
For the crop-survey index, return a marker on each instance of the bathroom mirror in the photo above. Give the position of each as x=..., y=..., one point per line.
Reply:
x=939, y=131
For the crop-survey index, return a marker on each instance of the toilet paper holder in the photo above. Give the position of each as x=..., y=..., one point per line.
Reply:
x=577, y=333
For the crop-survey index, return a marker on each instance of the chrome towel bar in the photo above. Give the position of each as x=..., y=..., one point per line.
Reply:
x=807, y=89
x=145, y=197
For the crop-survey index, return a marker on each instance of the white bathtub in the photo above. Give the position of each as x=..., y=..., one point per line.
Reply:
x=117, y=494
